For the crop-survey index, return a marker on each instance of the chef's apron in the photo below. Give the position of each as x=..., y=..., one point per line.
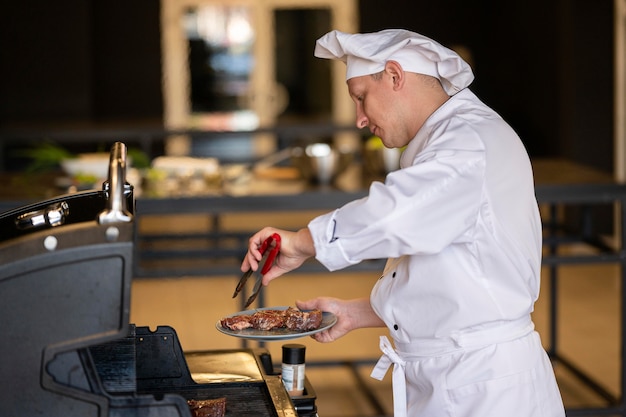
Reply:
x=497, y=371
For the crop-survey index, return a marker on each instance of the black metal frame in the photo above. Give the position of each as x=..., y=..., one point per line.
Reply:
x=585, y=196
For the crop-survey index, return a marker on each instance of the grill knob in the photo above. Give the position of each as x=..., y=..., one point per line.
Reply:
x=53, y=215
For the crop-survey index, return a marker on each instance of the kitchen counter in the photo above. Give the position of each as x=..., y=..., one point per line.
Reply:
x=174, y=253
x=21, y=188
x=556, y=179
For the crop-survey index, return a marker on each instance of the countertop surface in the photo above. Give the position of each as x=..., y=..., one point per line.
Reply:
x=17, y=189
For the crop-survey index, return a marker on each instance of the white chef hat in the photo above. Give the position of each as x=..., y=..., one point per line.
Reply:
x=367, y=53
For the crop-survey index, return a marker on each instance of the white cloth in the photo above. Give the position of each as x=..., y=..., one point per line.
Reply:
x=367, y=53
x=421, y=349
x=460, y=224
x=399, y=375
x=513, y=378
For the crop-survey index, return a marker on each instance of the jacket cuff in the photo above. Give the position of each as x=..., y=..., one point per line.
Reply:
x=328, y=250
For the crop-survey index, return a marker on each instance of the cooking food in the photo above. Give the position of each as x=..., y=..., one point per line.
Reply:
x=268, y=319
x=208, y=408
x=291, y=318
x=239, y=322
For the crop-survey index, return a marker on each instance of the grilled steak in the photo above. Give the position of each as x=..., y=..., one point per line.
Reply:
x=302, y=320
x=208, y=408
x=268, y=319
x=291, y=318
x=237, y=322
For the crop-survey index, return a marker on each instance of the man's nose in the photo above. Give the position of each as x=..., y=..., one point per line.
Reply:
x=361, y=120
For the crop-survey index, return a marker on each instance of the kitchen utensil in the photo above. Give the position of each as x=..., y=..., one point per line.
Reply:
x=269, y=254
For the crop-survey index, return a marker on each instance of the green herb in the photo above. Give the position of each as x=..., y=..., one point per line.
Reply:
x=45, y=156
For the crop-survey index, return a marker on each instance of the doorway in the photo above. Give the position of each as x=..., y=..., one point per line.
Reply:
x=224, y=70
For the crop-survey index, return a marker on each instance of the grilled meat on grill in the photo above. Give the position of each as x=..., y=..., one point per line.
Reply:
x=208, y=408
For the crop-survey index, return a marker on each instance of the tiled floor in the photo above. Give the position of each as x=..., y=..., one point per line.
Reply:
x=588, y=329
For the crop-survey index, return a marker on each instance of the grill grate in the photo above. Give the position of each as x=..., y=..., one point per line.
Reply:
x=249, y=399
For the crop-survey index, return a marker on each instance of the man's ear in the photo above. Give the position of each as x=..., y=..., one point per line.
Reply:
x=395, y=71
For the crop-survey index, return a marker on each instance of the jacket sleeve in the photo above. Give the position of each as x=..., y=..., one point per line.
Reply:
x=419, y=209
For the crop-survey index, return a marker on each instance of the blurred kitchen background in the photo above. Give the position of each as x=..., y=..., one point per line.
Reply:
x=549, y=67
x=220, y=103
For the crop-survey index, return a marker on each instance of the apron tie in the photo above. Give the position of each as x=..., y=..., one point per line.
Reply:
x=398, y=377
x=424, y=348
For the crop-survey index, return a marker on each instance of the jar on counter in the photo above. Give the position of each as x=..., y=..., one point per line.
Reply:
x=292, y=369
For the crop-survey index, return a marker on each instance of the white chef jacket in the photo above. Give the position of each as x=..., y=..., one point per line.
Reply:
x=460, y=226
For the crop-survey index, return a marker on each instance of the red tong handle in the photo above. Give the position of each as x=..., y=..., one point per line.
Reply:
x=272, y=255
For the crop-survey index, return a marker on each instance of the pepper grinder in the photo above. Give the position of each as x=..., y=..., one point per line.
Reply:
x=293, y=368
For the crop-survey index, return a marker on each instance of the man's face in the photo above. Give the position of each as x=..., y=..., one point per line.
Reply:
x=378, y=107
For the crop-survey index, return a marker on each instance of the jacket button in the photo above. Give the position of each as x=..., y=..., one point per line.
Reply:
x=395, y=327
x=393, y=275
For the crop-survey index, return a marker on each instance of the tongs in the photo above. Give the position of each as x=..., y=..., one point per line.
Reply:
x=268, y=255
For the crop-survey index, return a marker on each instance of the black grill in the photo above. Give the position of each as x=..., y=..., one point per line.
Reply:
x=68, y=348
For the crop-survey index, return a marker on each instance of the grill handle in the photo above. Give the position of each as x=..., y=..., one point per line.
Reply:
x=115, y=187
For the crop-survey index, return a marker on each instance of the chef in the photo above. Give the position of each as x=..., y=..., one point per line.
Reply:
x=459, y=225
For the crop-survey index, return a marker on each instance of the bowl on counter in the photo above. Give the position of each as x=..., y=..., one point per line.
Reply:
x=94, y=165
x=320, y=163
x=183, y=176
x=89, y=170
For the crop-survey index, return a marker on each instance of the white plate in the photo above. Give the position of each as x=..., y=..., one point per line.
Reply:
x=328, y=321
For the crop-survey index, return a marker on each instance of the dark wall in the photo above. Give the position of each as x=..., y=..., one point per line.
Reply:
x=586, y=83
x=544, y=65
x=127, y=65
x=45, y=61
x=77, y=60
